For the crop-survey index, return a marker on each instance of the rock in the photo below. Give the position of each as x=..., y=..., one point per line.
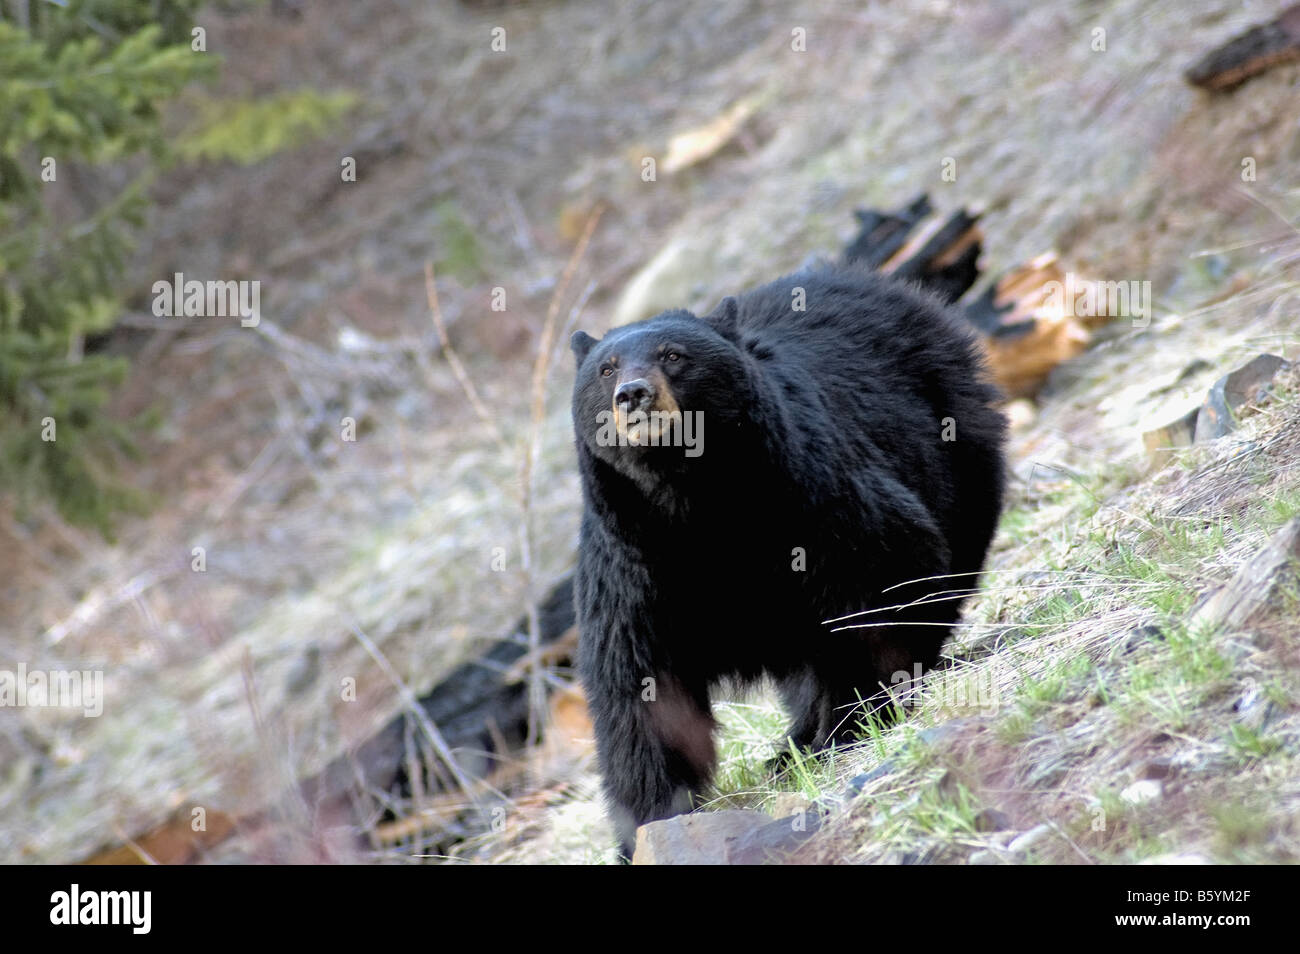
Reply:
x=1258, y=583
x=1214, y=418
x=859, y=782
x=1218, y=413
x=1021, y=413
x=1180, y=433
x=1143, y=791
x=1250, y=53
x=1247, y=385
x=1254, y=711
x=1140, y=636
x=1022, y=843
x=772, y=843
x=997, y=852
x=696, y=839
x=991, y=819
x=1249, y=699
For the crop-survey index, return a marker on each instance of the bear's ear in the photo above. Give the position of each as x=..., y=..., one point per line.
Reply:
x=582, y=343
x=725, y=318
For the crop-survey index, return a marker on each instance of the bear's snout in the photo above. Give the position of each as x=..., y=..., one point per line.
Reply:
x=636, y=395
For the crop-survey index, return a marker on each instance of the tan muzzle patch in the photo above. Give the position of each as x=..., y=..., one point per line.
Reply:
x=658, y=425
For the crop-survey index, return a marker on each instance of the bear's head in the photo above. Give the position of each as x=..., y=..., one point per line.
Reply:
x=645, y=392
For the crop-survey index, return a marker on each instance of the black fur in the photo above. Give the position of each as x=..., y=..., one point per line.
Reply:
x=823, y=431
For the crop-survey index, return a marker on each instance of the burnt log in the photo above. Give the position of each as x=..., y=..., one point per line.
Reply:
x=480, y=708
x=945, y=262
x=882, y=234
x=1258, y=49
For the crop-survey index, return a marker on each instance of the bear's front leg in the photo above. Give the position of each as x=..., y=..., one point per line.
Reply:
x=654, y=741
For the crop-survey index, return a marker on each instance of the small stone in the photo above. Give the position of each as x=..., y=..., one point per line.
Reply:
x=986, y=856
x=1021, y=413
x=1217, y=415
x=859, y=782
x=991, y=819
x=1140, y=636
x=1161, y=440
x=1253, y=709
x=1023, y=843
x=1233, y=392
x=1141, y=792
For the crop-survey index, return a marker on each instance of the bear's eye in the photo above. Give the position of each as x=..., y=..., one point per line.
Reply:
x=606, y=371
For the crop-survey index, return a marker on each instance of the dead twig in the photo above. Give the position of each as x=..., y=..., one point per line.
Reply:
x=532, y=450
x=412, y=706
x=453, y=359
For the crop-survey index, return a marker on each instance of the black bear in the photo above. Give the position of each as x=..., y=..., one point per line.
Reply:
x=821, y=446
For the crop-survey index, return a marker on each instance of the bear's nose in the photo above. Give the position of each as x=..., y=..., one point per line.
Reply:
x=634, y=395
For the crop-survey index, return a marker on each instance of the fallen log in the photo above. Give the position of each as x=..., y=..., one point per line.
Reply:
x=1028, y=319
x=943, y=257
x=1245, y=56
x=480, y=707
x=882, y=234
x=946, y=261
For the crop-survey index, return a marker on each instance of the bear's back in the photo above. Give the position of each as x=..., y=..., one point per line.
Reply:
x=851, y=321
x=875, y=372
